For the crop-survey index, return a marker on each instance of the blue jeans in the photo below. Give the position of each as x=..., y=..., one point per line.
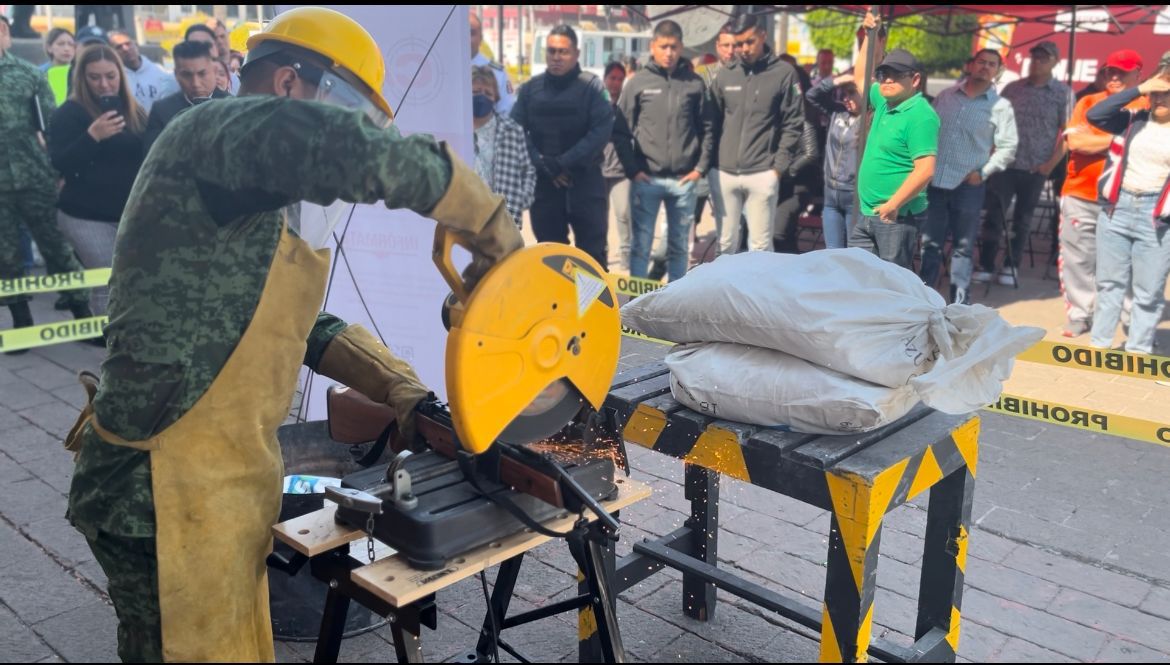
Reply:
x=647, y=197
x=895, y=242
x=837, y=216
x=954, y=212
x=1131, y=247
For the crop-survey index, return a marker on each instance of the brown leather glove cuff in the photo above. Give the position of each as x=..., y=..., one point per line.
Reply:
x=357, y=359
x=468, y=204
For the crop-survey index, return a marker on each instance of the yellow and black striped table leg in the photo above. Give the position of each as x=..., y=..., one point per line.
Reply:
x=855, y=535
x=944, y=563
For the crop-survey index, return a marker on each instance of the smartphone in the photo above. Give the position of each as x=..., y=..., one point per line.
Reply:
x=38, y=114
x=110, y=103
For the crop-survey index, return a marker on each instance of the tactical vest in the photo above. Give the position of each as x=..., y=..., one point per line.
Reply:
x=559, y=114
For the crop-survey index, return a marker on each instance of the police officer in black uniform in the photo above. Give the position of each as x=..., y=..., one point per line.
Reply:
x=567, y=121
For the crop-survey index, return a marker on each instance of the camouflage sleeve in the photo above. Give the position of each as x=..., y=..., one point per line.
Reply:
x=48, y=101
x=308, y=151
x=327, y=327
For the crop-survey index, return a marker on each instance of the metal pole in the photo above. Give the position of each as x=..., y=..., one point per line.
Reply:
x=500, y=36
x=782, y=38
x=1072, y=46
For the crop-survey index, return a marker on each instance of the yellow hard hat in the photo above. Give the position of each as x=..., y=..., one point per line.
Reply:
x=334, y=36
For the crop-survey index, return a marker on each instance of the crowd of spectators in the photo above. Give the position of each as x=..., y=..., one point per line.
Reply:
x=940, y=182
x=75, y=133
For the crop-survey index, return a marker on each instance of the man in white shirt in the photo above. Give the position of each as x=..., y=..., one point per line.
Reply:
x=148, y=81
x=507, y=94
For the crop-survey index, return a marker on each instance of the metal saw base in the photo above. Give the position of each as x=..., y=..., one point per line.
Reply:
x=451, y=516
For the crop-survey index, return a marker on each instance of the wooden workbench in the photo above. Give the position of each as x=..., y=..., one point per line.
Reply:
x=392, y=588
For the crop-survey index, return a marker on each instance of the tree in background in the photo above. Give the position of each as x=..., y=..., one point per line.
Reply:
x=940, y=42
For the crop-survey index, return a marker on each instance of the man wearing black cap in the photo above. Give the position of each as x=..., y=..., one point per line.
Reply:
x=1041, y=105
x=899, y=157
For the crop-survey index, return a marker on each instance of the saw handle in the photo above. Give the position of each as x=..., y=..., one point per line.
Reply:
x=445, y=241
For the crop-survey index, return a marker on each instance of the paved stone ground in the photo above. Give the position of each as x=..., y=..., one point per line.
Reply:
x=1067, y=558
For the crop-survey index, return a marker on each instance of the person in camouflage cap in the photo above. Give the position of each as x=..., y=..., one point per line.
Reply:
x=28, y=192
x=214, y=305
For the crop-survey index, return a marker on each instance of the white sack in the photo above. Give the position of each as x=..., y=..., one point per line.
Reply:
x=759, y=386
x=844, y=309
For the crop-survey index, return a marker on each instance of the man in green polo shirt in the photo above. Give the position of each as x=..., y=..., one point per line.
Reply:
x=899, y=158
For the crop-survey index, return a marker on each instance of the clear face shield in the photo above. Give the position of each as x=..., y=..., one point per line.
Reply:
x=312, y=222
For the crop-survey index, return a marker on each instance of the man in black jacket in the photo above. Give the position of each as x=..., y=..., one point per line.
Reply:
x=667, y=111
x=567, y=121
x=195, y=73
x=759, y=120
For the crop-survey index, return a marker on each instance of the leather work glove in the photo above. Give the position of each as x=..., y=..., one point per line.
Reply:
x=357, y=359
x=479, y=217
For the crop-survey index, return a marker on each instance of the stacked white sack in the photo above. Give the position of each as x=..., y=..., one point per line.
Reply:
x=760, y=386
x=845, y=310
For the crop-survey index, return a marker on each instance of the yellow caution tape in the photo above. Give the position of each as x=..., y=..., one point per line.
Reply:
x=64, y=281
x=1083, y=419
x=52, y=333
x=633, y=286
x=1117, y=363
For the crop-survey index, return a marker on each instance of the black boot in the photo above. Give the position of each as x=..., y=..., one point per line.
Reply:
x=82, y=311
x=657, y=270
x=21, y=318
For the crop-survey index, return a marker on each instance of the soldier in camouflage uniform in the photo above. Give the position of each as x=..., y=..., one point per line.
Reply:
x=202, y=251
x=28, y=192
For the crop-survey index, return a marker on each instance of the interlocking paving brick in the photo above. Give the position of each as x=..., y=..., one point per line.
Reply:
x=20, y=395
x=780, y=536
x=999, y=580
x=30, y=501
x=1022, y=651
x=690, y=648
x=28, y=442
x=1123, y=651
x=36, y=588
x=1158, y=602
x=1045, y=533
x=983, y=544
x=1046, y=630
x=55, y=418
x=18, y=642
x=49, y=377
x=1075, y=574
x=57, y=536
x=86, y=634
x=978, y=643
x=1133, y=625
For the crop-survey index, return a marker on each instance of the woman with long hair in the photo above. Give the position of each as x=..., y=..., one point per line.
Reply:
x=95, y=142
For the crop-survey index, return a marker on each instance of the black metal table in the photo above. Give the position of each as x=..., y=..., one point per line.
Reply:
x=859, y=478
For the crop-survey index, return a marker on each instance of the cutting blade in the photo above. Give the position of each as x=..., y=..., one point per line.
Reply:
x=553, y=408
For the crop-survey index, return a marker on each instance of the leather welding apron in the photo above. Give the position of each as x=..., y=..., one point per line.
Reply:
x=217, y=475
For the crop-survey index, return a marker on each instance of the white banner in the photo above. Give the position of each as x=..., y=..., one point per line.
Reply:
x=428, y=84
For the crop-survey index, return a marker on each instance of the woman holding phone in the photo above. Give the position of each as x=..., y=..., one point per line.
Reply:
x=95, y=142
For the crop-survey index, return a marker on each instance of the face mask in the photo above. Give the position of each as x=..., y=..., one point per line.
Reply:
x=482, y=106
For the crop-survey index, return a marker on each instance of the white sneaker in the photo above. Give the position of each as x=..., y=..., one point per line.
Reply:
x=980, y=276
x=1006, y=277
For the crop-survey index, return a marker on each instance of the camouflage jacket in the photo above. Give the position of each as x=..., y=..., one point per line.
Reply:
x=192, y=254
x=25, y=164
